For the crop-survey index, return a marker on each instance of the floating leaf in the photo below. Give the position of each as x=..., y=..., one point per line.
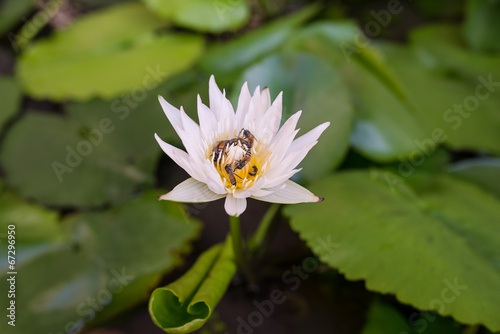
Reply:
x=483, y=171
x=440, y=47
x=457, y=107
x=108, y=262
x=343, y=43
x=310, y=84
x=214, y=16
x=482, y=24
x=186, y=304
x=10, y=95
x=435, y=245
x=421, y=79
x=99, y=152
x=104, y=54
x=33, y=222
x=227, y=60
x=385, y=127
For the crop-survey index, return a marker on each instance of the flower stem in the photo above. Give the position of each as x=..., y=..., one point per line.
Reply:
x=239, y=251
x=259, y=237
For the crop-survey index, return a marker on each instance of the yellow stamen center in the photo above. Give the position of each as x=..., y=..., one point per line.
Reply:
x=240, y=162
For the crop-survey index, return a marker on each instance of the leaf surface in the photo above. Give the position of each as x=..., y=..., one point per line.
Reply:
x=105, y=54
x=10, y=95
x=213, y=16
x=432, y=243
x=99, y=152
x=106, y=263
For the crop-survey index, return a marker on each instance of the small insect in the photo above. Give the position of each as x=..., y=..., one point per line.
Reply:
x=254, y=171
x=230, y=174
x=247, y=140
x=239, y=164
x=219, y=149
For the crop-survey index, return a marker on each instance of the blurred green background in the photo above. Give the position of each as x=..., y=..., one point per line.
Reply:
x=409, y=167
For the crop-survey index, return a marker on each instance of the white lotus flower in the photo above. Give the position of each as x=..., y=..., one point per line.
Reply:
x=239, y=155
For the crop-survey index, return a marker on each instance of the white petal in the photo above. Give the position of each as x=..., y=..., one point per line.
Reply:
x=289, y=126
x=182, y=159
x=191, y=191
x=271, y=121
x=235, y=206
x=219, y=104
x=243, y=105
x=254, y=112
x=277, y=179
x=293, y=159
x=222, y=109
x=191, y=137
x=186, y=128
x=281, y=142
x=241, y=193
x=173, y=114
x=259, y=184
x=208, y=122
x=265, y=99
x=278, y=172
x=212, y=177
x=308, y=138
x=292, y=193
x=215, y=97
x=295, y=154
x=265, y=192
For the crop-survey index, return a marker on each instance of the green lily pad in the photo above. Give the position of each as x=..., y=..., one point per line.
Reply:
x=482, y=171
x=121, y=56
x=32, y=222
x=213, y=16
x=482, y=24
x=343, y=43
x=385, y=126
x=226, y=61
x=107, y=263
x=456, y=106
x=441, y=47
x=10, y=95
x=314, y=86
x=385, y=129
x=186, y=304
x=434, y=245
x=99, y=152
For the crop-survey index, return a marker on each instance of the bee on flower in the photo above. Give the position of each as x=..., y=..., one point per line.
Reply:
x=239, y=154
